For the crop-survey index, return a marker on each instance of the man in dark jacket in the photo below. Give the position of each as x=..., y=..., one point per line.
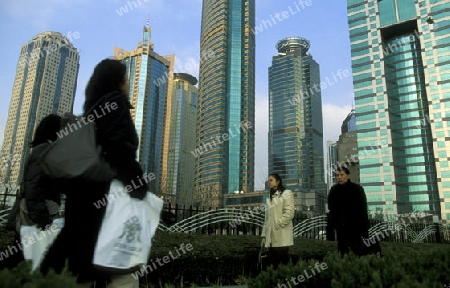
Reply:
x=348, y=212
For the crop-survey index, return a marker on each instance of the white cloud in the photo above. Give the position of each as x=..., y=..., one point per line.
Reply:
x=261, y=145
x=333, y=115
x=187, y=64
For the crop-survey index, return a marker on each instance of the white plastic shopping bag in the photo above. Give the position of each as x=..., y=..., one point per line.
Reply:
x=35, y=242
x=125, y=238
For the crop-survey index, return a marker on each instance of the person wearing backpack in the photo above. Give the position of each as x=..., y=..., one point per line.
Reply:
x=41, y=193
x=39, y=197
x=117, y=137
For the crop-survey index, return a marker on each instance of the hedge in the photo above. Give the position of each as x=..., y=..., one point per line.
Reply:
x=179, y=259
x=407, y=268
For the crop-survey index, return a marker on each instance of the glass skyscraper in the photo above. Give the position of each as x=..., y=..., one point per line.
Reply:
x=226, y=103
x=45, y=83
x=295, y=118
x=149, y=77
x=177, y=180
x=401, y=75
x=349, y=123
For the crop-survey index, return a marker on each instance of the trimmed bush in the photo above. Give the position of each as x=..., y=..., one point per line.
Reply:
x=21, y=277
x=404, y=268
x=209, y=260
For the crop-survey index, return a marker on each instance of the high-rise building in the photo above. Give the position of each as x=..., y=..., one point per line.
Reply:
x=344, y=153
x=331, y=164
x=346, y=148
x=295, y=119
x=177, y=176
x=150, y=78
x=45, y=83
x=226, y=102
x=349, y=123
x=401, y=67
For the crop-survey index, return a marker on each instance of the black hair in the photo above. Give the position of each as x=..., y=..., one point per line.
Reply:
x=46, y=130
x=280, y=185
x=345, y=169
x=108, y=76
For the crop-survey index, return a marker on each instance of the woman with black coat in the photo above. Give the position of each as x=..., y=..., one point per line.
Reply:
x=107, y=98
x=41, y=194
x=38, y=202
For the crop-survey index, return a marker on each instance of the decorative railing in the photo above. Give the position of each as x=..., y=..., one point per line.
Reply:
x=233, y=221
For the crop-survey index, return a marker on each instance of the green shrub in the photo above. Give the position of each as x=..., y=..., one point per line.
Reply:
x=6, y=237
x=21, y=276
x=231, y=260
x=403, y=268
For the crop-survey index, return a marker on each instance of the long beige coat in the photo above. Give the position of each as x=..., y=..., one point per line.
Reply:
x=278, y=228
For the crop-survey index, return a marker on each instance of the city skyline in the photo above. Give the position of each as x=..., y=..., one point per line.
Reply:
x=95, y=28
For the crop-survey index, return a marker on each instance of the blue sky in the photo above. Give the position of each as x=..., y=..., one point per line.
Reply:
x=97, y=26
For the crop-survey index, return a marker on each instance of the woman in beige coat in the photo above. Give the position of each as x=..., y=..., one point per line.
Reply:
x=277, y=232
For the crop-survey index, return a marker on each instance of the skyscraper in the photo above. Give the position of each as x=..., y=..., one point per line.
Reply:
x=45, y=83
x=177, y=180
x=295, y=118
x=150, y=77
x=226, y=103
x=401, y=67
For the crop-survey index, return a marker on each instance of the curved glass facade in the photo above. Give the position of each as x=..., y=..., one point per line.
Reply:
x=225, y=114
x=412, y=145
x=178, y=177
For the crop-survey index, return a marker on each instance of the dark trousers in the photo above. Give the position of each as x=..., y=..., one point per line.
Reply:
x=77, y=240
x=348, y=241
x=277, y=256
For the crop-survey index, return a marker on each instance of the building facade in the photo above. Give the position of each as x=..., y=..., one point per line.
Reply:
x=149, y=75
x=401, y=68
x=45, y=83
x=331, y=162
x=346, y=148
x=226, y=104
x=349, y=123
x=347, y=154
x=295, y=118
x=177, y=180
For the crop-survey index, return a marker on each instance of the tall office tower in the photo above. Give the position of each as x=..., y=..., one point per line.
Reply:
x=226, y=102
x=177, y=180
x=45, y=83
x=295, y=118
x=401, y=67
x=149, y=75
